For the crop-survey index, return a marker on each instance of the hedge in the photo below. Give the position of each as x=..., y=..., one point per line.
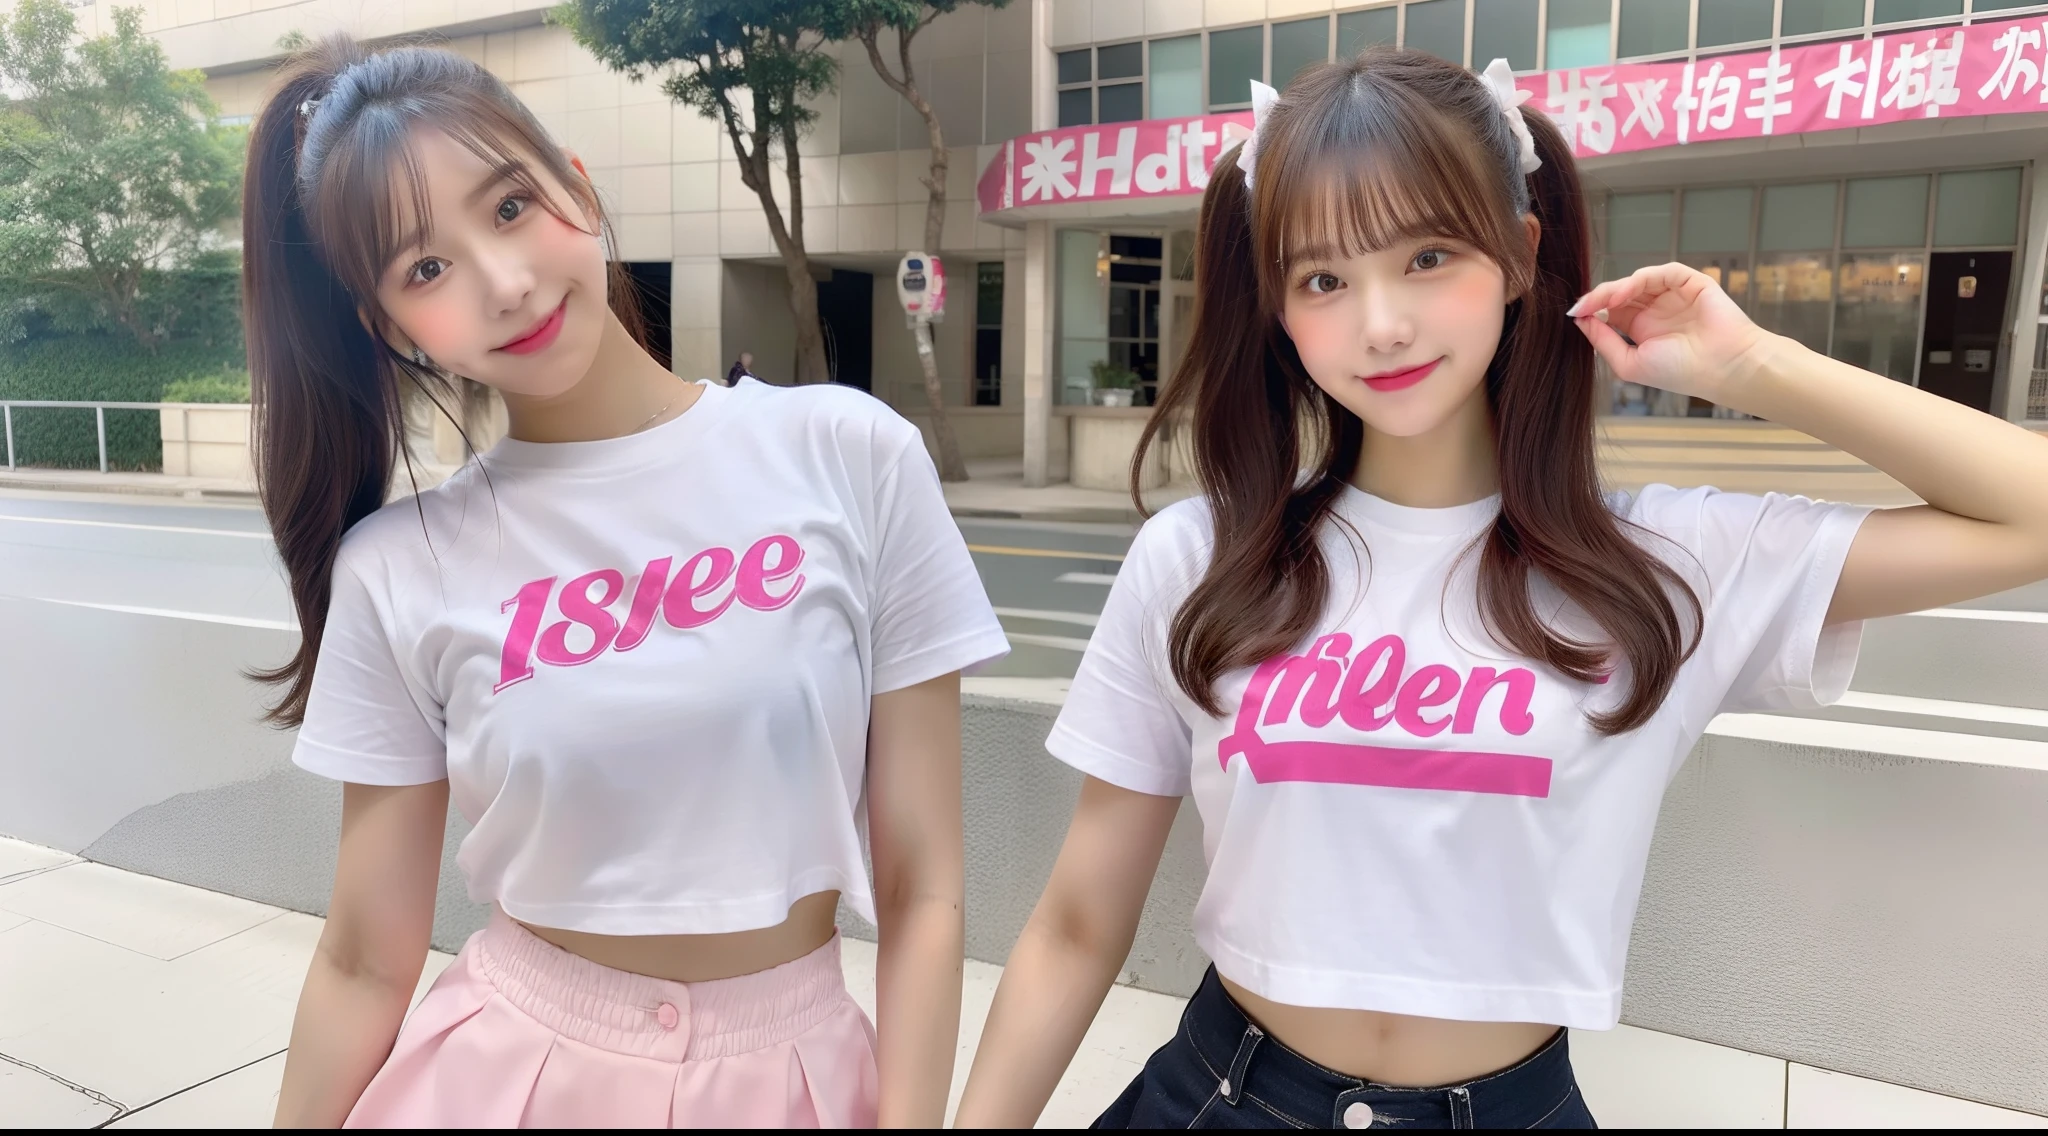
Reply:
x=98, y=369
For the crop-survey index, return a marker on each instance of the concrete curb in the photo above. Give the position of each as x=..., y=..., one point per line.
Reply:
x=128, y=488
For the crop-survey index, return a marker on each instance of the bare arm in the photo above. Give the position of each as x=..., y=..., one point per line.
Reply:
x=1985, y=525
x=371, y=952
x=1070, y=952
x=914, y=837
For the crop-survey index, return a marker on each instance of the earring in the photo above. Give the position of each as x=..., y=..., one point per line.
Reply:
x=419, y=358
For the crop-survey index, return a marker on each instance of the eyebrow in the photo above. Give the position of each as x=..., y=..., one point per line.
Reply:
x=499, y=175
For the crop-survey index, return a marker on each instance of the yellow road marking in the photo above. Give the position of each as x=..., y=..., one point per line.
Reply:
x=1050, y=553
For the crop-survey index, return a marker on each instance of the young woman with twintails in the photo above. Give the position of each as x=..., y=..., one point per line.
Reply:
x=675, y=650
x=1425, y=680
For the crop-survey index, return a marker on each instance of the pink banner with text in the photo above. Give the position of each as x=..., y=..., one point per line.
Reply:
x=1985, y=68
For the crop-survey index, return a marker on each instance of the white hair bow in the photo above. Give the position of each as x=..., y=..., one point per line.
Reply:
x=1500, y=81
x=1263, y=98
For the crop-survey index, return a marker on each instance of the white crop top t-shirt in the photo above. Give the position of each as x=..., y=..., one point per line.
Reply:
x=644, y=664
x=1404, y=818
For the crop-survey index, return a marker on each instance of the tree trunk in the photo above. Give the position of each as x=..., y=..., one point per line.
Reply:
x=756, y=172
x=951, y=466
x=810, y=336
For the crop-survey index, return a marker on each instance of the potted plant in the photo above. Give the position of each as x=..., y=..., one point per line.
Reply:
x=1115, y=384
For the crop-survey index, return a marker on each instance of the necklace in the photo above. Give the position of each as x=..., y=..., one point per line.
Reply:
x=656, y=414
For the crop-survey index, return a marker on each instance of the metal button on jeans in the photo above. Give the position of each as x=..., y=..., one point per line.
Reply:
x=1358, y=1114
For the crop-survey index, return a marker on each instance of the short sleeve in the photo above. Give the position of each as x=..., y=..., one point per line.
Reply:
x=1118, y=723
x=364, y=722
x=931, y=616
x=1770, y=565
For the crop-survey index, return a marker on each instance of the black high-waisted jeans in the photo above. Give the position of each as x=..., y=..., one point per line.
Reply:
x=1221, y=1071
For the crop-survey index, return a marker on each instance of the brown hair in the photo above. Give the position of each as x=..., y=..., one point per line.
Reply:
x=1359, y=154
x=321, y=220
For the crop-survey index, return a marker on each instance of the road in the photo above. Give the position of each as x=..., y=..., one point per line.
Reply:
x=215, y=563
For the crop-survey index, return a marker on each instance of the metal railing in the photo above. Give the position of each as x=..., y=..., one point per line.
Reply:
x=99, y=414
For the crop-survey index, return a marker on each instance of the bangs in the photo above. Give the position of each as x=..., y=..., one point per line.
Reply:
x=371, y=205
x=1351, y=208
x=1372, y=167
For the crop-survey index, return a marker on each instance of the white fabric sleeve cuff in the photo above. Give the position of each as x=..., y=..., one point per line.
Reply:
x=367, y=768
x=1125, y=773
x=966, y=653
x=1820, y=660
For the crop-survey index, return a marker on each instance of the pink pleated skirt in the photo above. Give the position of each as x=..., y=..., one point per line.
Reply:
x=518, y=1033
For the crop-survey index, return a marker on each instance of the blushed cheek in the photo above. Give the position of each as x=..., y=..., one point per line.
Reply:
x=558, y=240
x=1472, y=312
x=1318, y=336
x=440, y=329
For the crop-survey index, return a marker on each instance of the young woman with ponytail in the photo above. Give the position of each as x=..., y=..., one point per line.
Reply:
x=1425, y=681
x=671, y=649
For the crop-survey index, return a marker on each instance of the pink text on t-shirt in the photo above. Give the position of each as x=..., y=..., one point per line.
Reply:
x=1373, y=690
x=697, y=593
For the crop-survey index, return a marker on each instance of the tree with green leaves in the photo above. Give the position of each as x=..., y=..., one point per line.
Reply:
x=753, y=66
x=116, y=181
x=870, y=21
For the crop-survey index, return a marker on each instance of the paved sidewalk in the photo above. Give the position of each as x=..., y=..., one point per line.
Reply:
x=128, y=1001
x=150, y=1004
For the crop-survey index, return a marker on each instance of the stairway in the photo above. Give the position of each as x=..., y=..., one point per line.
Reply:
x=1739, y=456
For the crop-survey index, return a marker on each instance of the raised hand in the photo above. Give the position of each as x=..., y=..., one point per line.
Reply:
x=1688, y=336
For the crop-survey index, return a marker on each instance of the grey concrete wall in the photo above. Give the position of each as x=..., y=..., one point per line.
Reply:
x=1861, y=907
x=754, y=316
x=1854, y=910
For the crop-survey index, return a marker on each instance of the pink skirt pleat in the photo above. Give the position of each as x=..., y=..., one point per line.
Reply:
x=519, y=1033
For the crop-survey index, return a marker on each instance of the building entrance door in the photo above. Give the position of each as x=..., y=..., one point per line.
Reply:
x=1966, y=293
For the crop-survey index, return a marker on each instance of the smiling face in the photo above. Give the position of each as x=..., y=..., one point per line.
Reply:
x=504, y=281
x=1390, y=241
x=1401, y=336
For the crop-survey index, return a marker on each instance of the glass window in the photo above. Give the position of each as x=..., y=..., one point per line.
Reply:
x=1794, y=293
x=1715, y=220
x=1236, y=57
x=1183, y=247
x=1075, y=67
x=1502, y=29
x=1991, y=6
x=1438, y=27
x=988, y=333
x=1083, y=309
x=1640, y=223
x=1877, y=313
x=1176, y=77
x=1804, y=17
x=1135, y=248
x=1884, y=211
x=1734, y=21
x=1297, y=45
x=1357, y=31
x=1728, y=269
x=1797, y=217
x=1577, y=35
x=1977, y=207
x=1077, y=107
x=1653, y=27
x=1893, y=11
x=1120, y=102
x=1123, y=61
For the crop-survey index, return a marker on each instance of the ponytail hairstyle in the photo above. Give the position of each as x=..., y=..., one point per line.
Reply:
x=330, y=173
x=1355, y=156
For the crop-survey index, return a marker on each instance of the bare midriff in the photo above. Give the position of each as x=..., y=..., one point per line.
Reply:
x=1393, y=1049
x=706, y=958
